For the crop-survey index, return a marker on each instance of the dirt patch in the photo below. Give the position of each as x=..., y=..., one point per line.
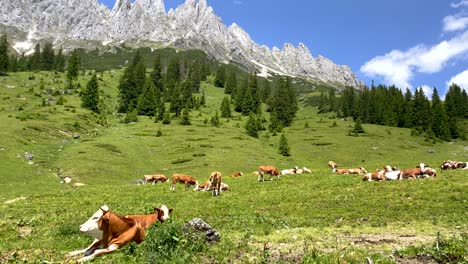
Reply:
x=416, y=260
x=390, y=240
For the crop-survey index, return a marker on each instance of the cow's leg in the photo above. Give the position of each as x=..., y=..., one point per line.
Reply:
x=90, y=249
x=98, y=252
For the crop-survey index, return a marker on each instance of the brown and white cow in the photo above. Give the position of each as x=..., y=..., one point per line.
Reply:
x=412, y=173
x=215, y=180
x=113, y=232
x=376, y=176
x=236, y=174
x=360, y=170
x=203, y=187
x=272, y=170
x=92, y=227
x=159, y=215
x=154, y=178
x=183, y=178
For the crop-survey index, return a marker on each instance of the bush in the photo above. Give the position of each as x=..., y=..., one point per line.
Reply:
x=172, y=243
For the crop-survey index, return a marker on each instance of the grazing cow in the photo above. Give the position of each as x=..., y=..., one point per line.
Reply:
x=159, y=214
x=236, y=174
x=376, y=176
x=182, y=178
x=154, y=178
x=112, y=231
x=215, y=180
x=272, y=170
x=203, y=187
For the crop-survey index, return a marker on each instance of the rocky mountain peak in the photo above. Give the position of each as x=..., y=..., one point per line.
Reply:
x=192, y=25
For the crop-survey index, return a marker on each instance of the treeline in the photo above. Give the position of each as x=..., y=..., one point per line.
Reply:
x=247, y=96
x=388, y=106
x=45, y=59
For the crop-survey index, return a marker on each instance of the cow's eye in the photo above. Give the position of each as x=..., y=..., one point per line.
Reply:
x=94, y=218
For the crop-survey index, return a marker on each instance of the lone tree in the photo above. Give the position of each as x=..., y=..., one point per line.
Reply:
x=284, y=148
x=358, y=126
x=90, y=96
x=226, y=108
x=73, y=66
x=185, y=118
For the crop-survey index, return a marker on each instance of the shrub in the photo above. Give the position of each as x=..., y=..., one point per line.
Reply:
x=172, y=243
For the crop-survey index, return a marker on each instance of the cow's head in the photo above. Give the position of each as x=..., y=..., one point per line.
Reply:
x=363, y=170
x=163, y=213
x=91, y=226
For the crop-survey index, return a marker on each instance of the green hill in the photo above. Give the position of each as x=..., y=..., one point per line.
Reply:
x=319, y=217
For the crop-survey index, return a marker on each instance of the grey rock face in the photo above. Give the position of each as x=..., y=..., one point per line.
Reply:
x=192, y=25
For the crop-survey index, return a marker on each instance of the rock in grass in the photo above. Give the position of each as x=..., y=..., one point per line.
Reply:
x=28, y=156
x=200, y=225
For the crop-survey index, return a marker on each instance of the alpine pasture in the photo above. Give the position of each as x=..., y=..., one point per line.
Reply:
x=312, y=218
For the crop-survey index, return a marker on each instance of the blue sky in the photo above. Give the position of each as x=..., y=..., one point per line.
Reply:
x=408, y=43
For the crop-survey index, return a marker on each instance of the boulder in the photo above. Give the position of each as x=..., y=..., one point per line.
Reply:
x=198, y=224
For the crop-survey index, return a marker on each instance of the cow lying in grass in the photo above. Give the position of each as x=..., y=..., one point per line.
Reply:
x=112, y=231
x=454, y=165
x=360, y=170
x=236, y=174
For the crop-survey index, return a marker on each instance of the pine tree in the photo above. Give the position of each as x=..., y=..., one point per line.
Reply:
x=4, y=59
x=131, y=83
x=47, y=57
x=59, y=62
x=185, y=118
x=35, y=59
x=239, y=96
x=265, y=92
x=195, y=76
x=220, y=77
x=248, y=103
x=90, y=95
x=284, y=148
x=274, y=124
x=231, y=83
x=147, y=100
x=132, y=116
x=440, y=120
x=226, y=108
x=215, y=120
x=252, y=125
x=358, y=126
x=74, y=65
x=254, y=90
x=203, y=99
x=284, y=102
x=173, y=71
x=13, y=64
x=167, y=118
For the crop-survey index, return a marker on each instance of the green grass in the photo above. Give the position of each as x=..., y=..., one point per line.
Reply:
x=315, y=218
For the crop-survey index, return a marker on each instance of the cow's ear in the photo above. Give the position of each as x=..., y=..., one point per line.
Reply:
x=170, y=210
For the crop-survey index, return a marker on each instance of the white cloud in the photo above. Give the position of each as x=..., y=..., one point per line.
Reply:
x=398, y=67
x=461, y=3
x=455, y=23
x=461, y=79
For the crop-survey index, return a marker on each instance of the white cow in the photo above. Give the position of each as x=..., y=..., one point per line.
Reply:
x=391, y=174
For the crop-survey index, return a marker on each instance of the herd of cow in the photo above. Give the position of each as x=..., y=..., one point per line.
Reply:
x=112, y=231
x=392, y=173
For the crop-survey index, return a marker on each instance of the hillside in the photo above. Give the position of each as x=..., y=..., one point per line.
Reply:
x=318, y=216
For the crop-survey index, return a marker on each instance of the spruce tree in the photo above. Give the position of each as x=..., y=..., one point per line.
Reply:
x=147, y=100
x=47, y=57
x=4, y=59
x=226, y=108
x=195, y=76
x=215, y=120
x=239, y=96
x=254, y=90
x=59, y=62
x=284, y=148
x=167, y=117
x=131, y=83
x=252, y=125
x=13, y=64
x=185, y=118
x=248, y=105
x=173, y=71
x=90, y=95
x=358, y=126
x=74, y=65
x=231, y=83
x=274, y=124
x=35, y=59
x=440, y=120
x=284, y=102
x=220, y=77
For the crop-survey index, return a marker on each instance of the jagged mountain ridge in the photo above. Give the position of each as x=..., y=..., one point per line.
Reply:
x=192, y=25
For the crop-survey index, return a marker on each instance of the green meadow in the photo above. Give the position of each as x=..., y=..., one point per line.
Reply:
x=310, y=218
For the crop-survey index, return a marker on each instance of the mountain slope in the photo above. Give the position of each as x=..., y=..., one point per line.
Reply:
x=192, y=25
